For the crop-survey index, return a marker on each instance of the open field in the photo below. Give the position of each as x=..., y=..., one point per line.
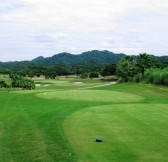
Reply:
x=60, y=122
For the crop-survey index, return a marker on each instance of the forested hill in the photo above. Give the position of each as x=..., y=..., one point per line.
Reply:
x=91, y=57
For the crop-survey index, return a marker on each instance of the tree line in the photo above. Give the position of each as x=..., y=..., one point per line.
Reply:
x=18, y=81
x=144, y=68
x=140, y=68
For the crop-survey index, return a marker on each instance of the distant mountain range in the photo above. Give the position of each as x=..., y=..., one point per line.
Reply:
x=94, y=57
x=91, y=58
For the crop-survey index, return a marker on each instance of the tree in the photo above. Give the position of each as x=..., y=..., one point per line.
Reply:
x=54, y=71
x=21, y=82
x=126, y=68
x=2, y=84
x=93, y=75
x=144, y=61
x=31, y=74
x=109, y=70
x=84, y=76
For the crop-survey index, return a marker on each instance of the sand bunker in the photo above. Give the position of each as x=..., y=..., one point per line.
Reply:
x=78, y=82
x=37, y=85
x=46, y=85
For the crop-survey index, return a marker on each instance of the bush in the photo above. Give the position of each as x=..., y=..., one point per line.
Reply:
x=156, y=76
x=84, y=76
x=137, y=78
x=93, y=75
x=126, y=69
x=20, y=82
x=2, y=84
x=165, y=79
x=109, y=70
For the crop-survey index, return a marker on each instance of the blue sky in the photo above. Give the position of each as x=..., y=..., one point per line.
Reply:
x=31, y=28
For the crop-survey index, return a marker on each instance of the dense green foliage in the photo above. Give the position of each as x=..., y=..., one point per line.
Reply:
x=146, y=61
x=84, y=76
x=93, y=75
x=109, y=70
x=126, y=69
x=94, y=58
x=105, y=63
x=130, y=69
x=21, y=82
x=3, y=84
x=53, y=72
x=156, y=76
x=66, y=63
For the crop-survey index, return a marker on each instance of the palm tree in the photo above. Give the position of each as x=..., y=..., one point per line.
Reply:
x=126, y=68
x=144, y=61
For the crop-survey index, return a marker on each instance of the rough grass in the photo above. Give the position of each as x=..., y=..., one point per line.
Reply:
x=35, y=129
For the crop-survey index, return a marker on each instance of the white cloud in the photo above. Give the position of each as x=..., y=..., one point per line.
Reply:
x=80, y=15
x=44, y=27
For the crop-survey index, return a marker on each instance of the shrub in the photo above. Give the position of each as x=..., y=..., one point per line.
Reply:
x=84, y=76
x=156, y=76
x=126, y=69
x=93, y=75
x=137, y=78
x=2, y=84
x=165, y=79
x=21, y=82
x=109, y=70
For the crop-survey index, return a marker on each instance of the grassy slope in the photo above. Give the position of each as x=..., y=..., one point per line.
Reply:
x=131, y=131
x=31, y=127
x=92, y=96
x=136, y=132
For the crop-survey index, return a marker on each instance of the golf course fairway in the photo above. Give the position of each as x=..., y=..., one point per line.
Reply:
x=60, y=123
x=92, y=96
x=130, y=132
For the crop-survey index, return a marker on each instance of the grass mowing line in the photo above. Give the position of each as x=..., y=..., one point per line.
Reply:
x=24, y=130
x=20, y=137
x=125, y=129
x=31, y=127
x=23, y=138
x=40, y=152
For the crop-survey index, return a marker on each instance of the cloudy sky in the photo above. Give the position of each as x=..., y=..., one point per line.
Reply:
x=31, y=28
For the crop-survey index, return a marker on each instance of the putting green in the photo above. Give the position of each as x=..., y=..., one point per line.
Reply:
x=92, y=95
x=130, y=132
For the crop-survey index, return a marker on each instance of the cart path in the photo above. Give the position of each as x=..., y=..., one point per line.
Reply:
x=101, y=85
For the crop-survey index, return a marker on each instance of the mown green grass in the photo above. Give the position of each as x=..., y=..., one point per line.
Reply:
x=92, y=95
x=67, y=84
x=30, y=127
x=41, y=129
x=130, y=132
